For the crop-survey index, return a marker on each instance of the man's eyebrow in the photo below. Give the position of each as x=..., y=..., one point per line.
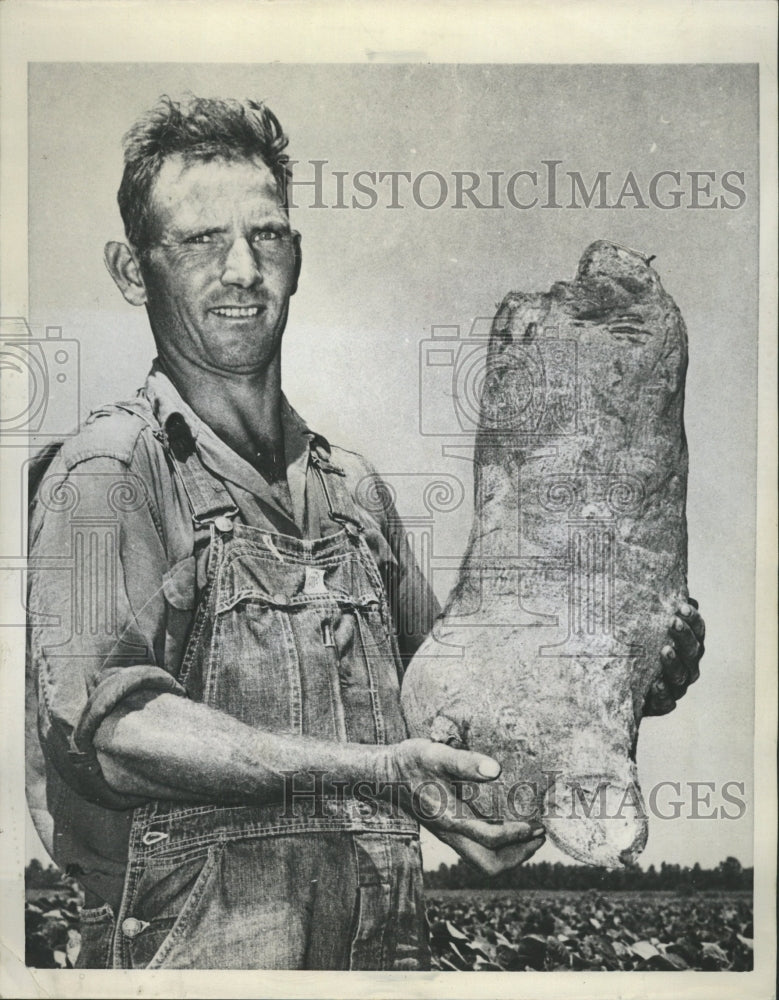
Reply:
x=198, y=231
x=282, y=224
x=268, y=222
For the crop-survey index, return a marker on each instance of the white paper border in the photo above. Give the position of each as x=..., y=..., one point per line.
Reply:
x=741, y=31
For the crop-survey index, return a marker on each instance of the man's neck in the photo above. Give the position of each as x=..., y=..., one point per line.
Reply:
x=243, y=410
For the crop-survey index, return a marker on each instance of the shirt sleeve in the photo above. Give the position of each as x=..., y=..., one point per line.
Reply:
x=412, y=601
x=96, y=611
x=414, y=604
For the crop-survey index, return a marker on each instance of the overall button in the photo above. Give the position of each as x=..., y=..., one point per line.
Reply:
x=223, y=524
x=279, y=598
x=132, y=927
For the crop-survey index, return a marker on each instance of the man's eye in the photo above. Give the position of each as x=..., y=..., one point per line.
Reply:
x=199, y=238
x=266, y=235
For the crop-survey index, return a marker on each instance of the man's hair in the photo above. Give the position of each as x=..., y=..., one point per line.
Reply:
x=200, y=129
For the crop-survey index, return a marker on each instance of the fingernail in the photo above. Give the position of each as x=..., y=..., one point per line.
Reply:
x=678, y=624
x=685, y=609
x=669, y=652
x=489, y=768
x=538, y=831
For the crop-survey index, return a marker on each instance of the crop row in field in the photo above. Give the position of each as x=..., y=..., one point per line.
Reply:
x=482, y=931
x=473, y=930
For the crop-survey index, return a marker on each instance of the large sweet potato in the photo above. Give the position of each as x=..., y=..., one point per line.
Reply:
x=577, y=558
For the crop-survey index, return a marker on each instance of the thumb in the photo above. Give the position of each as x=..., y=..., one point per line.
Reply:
x=468, y=765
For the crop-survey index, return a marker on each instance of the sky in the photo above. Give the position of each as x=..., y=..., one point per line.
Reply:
x=378, y=282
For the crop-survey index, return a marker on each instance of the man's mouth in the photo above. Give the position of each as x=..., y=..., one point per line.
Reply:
x=236, y=312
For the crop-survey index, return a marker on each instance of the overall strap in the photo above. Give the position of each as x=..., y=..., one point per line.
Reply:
x=345, y=511
x=208, y=497
x=340, y=506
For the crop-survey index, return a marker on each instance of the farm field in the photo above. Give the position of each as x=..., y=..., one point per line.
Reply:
x=513, y=930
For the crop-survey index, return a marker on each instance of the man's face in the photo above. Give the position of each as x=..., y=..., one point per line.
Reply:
x=221, y=265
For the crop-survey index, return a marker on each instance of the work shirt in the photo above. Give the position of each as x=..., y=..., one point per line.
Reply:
x=115, y=573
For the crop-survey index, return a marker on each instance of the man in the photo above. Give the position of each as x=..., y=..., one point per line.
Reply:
x=226, y=760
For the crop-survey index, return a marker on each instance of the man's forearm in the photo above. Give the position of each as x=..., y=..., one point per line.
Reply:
x=166, y=746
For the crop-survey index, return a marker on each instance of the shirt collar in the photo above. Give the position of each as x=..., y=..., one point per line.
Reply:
x=299, y=440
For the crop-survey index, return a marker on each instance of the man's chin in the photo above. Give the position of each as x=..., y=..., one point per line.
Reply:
x=240, y=364
x=221, y=364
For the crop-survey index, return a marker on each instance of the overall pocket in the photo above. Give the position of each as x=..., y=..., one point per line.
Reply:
x=168, y=895
x=253, y=670
x=390, y=925
x=384, y=672
x=97, y=936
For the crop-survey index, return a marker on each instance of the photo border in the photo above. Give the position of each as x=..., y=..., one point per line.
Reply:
x=299, y=31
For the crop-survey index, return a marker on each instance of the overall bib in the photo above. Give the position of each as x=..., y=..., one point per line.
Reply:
x=290, y=636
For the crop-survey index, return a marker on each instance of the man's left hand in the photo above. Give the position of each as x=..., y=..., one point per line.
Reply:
x=679, y=657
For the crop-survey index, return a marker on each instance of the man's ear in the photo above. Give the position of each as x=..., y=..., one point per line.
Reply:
x=123, y=267
x=298, y=260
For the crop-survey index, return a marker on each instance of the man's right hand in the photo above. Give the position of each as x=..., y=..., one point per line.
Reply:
x=166, y=746
x=424, y=777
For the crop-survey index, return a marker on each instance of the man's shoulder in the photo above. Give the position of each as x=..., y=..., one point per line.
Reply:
x=109, y=432
x=354, y=465
x=362, y=478
x=102, y=462
x=373, y=496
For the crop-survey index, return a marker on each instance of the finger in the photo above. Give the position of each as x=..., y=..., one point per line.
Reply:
x=684, y=641
x=659, y=700
x=482, y=858
x=689, y=612
x=440, y=801
x=676, y=673
x=488, y=861
x=467, y=765
x=497, y=835
x=516, y=854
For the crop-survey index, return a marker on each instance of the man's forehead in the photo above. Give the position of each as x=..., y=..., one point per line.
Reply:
x=196, y=189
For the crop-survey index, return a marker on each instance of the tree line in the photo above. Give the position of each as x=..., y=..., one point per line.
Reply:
x=728, y=875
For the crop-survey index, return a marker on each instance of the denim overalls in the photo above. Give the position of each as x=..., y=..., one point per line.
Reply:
x=291, y=636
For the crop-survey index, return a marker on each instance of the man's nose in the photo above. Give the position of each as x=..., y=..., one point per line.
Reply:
x=241, y=266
